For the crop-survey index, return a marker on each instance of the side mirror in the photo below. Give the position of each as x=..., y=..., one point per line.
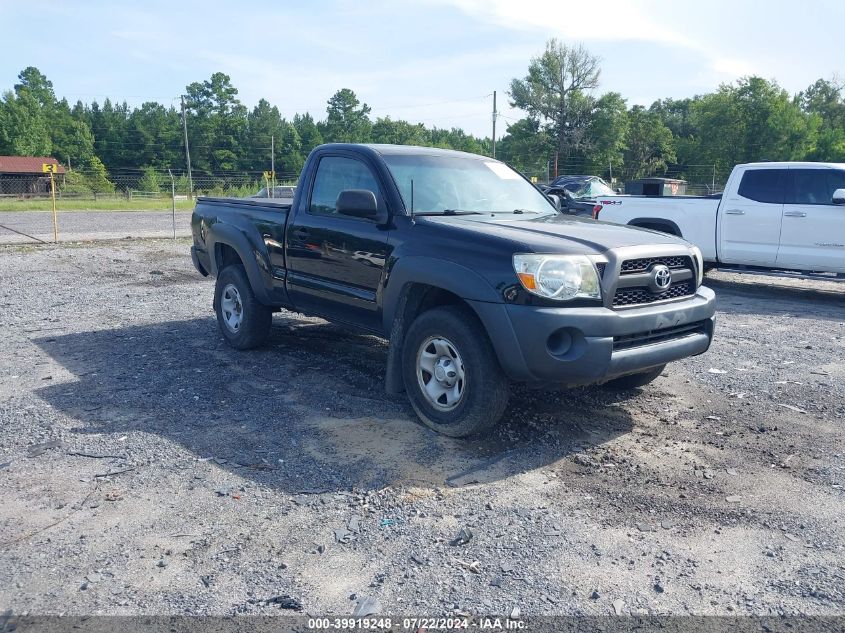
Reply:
x=568, y=194
x=555, y=200
x=839, y=196
x=357, y=203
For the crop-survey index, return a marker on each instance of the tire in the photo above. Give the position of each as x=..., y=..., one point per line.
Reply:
x=458, y=350
x=243, y=320
x=632, y=381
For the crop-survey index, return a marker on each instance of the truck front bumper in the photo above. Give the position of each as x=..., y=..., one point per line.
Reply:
x=578, y=346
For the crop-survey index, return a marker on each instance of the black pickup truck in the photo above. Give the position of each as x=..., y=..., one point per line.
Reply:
x=473, y=275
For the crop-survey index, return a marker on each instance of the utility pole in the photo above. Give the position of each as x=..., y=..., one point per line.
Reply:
x=187, y=150
x=494, y=124
x=272, y=164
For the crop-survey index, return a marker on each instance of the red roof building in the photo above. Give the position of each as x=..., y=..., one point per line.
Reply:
x=27, y=164
x=24, y=175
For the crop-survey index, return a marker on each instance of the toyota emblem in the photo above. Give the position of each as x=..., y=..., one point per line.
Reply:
x=661, y=277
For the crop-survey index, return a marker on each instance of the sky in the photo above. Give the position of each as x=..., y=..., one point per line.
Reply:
x=431, y=61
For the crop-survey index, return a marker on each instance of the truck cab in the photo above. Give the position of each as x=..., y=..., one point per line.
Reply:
x=772, y=216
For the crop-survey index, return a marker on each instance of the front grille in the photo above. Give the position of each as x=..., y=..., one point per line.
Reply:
x=644, y=263
x=640, y=295
x=658, y=336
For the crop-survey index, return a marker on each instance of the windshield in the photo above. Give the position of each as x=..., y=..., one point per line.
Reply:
x=444, y=183
x=592, y=188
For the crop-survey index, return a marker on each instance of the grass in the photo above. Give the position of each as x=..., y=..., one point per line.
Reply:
x=108, y=204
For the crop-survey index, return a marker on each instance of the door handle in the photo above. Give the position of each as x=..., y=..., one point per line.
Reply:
x=795, y=214
x=300, y=232
x=735, y=212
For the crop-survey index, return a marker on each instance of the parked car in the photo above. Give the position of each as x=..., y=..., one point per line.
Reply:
x=472, y=275
x=771, y=216
x=279, y=191
x=577, y=194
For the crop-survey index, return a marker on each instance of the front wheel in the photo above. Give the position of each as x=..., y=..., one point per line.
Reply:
x=452, y=376
x=244, y=321
x=632, y=381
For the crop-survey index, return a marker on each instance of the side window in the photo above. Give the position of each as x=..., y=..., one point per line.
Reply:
x=763, y=185
x=835, y=180
x=334, y=174
x=809, y=186
x=815, y=186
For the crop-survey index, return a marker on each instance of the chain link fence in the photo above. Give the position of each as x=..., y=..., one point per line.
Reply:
x=701, y=179
x=91, y=205
x=148, y=202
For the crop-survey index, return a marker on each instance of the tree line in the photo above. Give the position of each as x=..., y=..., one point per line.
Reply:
x=750, y=120
x=567, y=123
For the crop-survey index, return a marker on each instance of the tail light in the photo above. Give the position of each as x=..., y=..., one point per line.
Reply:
x=596, y=211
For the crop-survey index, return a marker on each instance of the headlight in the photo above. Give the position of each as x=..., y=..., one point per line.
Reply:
x=699, y=265
x=560, y=277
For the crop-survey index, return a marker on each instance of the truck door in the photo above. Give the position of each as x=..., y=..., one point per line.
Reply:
x=335, y=262
x=813, y=235
x=750, y=218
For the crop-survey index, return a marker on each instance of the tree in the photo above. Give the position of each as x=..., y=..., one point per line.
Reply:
x=825, y=103
x=23, y=128
x=110, y=127
x=216, y=124
x=155, y=135
x=72, y=140
x=70, y=137
x=456, y=138
x=753, y=120
x=825, y=98
x=98, y=177
x=346, y=122
x=309, y=134
x=387, y=130
x=150, y=181
x=36, y=83
x=650, y=148
x=608, y=131
x=262, y=123
x=555, y=91
x=289, y=151
x=526, y=147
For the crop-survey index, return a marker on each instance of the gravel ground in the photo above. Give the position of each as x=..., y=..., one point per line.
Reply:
x=19, y=227
x=147, y=468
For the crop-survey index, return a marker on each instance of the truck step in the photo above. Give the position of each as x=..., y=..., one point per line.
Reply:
x=786, y=274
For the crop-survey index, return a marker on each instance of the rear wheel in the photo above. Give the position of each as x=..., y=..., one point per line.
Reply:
x=451, y=373
x=244, y=321
x=632, y=381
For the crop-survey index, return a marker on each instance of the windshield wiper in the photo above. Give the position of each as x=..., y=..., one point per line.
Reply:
x=515, y=211
x=448, y=212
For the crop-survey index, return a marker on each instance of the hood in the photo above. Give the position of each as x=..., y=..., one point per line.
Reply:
x=564, y=234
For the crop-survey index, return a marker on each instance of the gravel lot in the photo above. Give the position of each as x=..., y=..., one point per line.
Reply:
x=19, y=227
x=146, y=468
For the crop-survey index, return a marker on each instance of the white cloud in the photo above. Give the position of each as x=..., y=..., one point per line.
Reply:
x=603, y=21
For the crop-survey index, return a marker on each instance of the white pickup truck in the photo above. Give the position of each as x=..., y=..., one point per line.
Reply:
x=773, y=216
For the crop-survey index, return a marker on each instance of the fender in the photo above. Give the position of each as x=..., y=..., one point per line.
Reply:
x=455, y=278
x=256, y=263
x=670, y=226
x=449, y=276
